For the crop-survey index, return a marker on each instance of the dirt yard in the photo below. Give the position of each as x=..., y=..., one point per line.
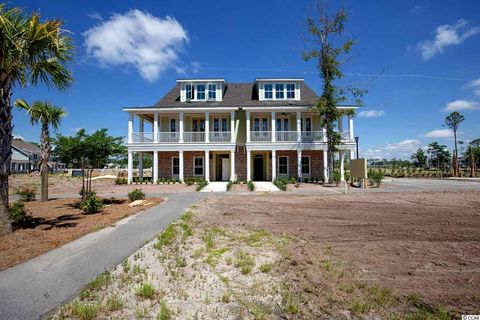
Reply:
x=57, y=222
x=422, y=245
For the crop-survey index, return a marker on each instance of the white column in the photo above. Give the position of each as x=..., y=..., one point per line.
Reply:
x=274, y=164
x=207, y=165
x=324, y=130
x=130, y=128
x=207, y=126
x=180, y=126
x=233, y=176
x=325, y=165
x=142, y=129
x=155, y=127
x=350, y=127
x=299, y=126
x=232, y=126
x=155, y=166
x=140, y=165
x=299, y=164
x=248, y=126
x=274, y=136
x=180, y=164
x=249, y=165
x=342, y=167
x=130, y=167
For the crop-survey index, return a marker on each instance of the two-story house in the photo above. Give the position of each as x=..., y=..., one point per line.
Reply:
x=234, y=131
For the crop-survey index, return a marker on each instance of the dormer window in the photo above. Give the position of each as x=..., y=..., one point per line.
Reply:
x=279, y=94
x=200, y=92
x=212, y=91
x=192, y=90
x=268, y=91
x=188, y=92
x=290, y=91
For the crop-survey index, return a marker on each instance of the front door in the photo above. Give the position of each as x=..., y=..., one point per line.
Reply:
x=225, y=163
x=258, y=168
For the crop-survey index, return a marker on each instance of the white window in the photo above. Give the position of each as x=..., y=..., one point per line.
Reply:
x=279, y=94
x=283, y=165
x=188, y=92
x=173, y=125
x=175, y=166
x=256, y=124
x=200, y=92
x=268, y=91
x=212, y=91
x=224, y=124
x=290, y=91
x=215, y=125
x=198, y=166
x=306, y=165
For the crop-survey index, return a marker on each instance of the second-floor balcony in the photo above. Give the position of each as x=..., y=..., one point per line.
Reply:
x=188, y=137
x=292, y=136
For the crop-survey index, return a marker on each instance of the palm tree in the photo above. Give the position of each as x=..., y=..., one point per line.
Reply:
x=453, y=121
x=46, y=115
x=31, y=52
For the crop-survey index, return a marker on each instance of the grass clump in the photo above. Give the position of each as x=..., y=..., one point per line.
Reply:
x=244, y=262
x=250, y=186
x=136, y=194
x=289, y=305
x=266, y=267
x=259, y=311
x=146, y=290
x=114, y=303
x=229, y=185
x=164, y=313
x=214, y=256
x=84, y=311
x=100, y=282
x=166, y=237
x=281, y=184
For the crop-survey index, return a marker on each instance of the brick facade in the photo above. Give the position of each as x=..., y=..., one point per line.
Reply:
x=241, y=164
x=316, y=162
x=165, y=163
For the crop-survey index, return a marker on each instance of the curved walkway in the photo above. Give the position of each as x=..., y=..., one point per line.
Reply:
x=31, y=289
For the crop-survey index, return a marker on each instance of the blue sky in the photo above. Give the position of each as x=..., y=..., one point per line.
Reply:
x=417, y=59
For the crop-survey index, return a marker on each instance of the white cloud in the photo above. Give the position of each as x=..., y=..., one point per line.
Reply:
x=371, y=113
x=475, y=85
x=440, y=133
x=447, y=35
x=138, y=39
x=458, y=105
x=402, y=149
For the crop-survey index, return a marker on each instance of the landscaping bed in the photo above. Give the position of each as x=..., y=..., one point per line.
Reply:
x=57, y=222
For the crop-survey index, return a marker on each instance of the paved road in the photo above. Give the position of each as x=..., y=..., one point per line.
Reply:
x=29, y=290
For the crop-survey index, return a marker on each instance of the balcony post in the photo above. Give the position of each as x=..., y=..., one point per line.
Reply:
x=299, y=126
x=130, y=128
x=325, y=165
x=299, y=164
x=324, y=130
x=274, y=135
x=249, y=166
x=180, y=165
x=130, y=167
x=233, y=176
x=207, y=126
x=155, y=127
x=248, y=125
x=180, y=125
x=274, y=164
x=342, y=169
x=140, y=165
x=232, y=127
x=350, y=127
x=155, y=166
x=207, y=165
x=141, y=129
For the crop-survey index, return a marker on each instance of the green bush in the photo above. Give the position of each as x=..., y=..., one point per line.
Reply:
x=26, y=192
x=281, y=184
x=375, y=177
x=292, y=180
x=89, y=194
x=18, y=215
x=201, y=184
x=121, y=180
x=92, y=204
x=250, y=186
x=336, y=176
x=136, y=194
x=229, y=185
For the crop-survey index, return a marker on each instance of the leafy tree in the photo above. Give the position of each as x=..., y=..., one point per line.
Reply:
x=472, y=156
x=87, y=152
x=419, y=158
x=31, y=52
x=439, y=156
x=326, y=29
x=47, y=115
x=453, y=121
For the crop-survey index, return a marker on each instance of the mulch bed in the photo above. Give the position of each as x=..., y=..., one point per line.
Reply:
x=57, y=222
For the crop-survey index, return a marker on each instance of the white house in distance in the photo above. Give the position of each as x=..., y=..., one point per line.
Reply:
x=234, y=131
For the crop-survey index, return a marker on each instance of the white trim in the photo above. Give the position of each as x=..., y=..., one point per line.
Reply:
x=278, y=167
x=203, y=166
x=278, y=79
x=200, y=80
x=150, y=110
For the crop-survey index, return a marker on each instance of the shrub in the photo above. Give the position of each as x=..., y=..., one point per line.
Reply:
x=92, y=204
x=121, y=180
x=146, y=291
x=281, y=184
x=89, y=194
x=292, y=180
x=336, y=176
x=201, y=184
x=375, y=177
x=229, y=185
x=250, y=186
x=136, y=194
x=26, y=192
x=18, y=215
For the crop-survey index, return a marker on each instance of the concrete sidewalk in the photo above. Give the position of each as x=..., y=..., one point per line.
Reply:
x=29, y=290
x=265, y=186
x=217, y=186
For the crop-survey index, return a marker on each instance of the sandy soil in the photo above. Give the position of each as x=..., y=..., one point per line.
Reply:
x=418, y=244
x=62, y=184
x=57, y=222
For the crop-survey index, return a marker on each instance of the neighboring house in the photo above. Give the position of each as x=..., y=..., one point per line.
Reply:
x=26, y=157
x=234, y=131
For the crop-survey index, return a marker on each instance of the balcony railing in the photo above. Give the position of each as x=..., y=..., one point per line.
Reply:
x=261, y=136
x=286, y=135
x=345, y=135
x=194, y=136
x=312, y=136
x=220, y=136
x=142, y=137
x=169, y=137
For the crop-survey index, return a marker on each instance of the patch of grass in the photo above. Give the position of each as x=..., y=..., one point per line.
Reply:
x=164, y=313
x=187, y=230
x=380, y=297
x=259, y=311
x=141, y=313
x=126, y=265
x=250, y=186
x=187, y=216
x=84, y=311
x=258, y=238
x=227, y=295
x=327, y=265
x=359, y=307
x=266, y=267
x=166, y=237
x=138, y=270
x=214, y=256
x=209, y=240
x=244, y=262
x=180, y=263
x=225, y=280
x=114, y=303
x=146, y=290
x=100, y=282
x=229, y=185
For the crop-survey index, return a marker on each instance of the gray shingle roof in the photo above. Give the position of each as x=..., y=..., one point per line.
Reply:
x=25, y=146
x=236, y=95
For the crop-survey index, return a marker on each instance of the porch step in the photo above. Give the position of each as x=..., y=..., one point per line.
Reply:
x=265, y=186
x=216, y=186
